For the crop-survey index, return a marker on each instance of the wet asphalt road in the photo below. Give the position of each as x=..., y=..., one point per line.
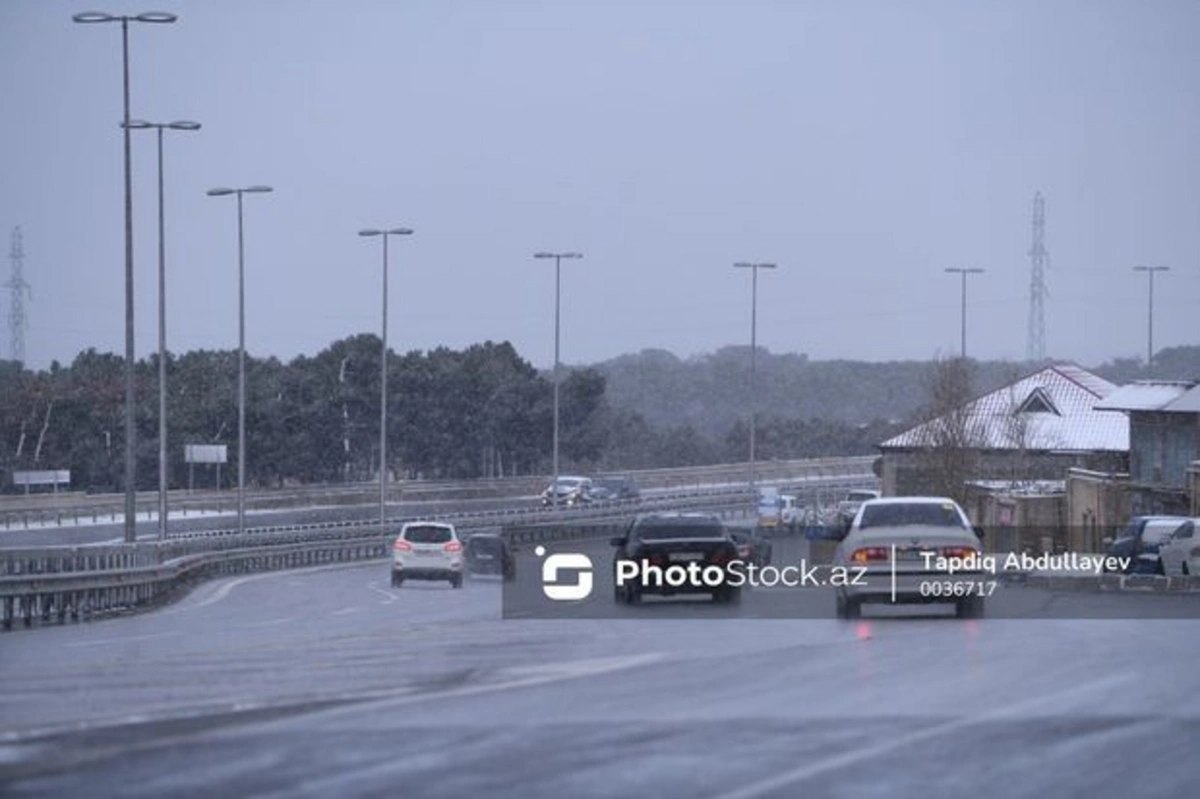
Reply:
x=328, y=682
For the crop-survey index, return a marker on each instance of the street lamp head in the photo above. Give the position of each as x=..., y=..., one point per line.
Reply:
x=137, y=124
x=370, y=232
x=558, y=255
x=183, y=124
x=749, y=265
x=258, y=190
x=93, y=16
x=221, y=192
x=400, y=231
x=155, y=16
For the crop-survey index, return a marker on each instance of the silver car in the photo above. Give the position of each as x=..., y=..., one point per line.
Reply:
x=898, y=550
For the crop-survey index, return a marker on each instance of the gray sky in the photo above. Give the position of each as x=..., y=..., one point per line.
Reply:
x=864, y=146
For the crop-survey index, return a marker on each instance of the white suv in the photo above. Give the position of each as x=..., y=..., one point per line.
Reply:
x=427, y=551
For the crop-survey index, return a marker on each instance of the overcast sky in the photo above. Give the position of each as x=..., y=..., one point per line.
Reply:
x=863, y=146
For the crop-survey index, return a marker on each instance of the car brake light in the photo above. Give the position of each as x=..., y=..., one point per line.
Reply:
x=402, y=546
x=453, y=546
x=867, y=554
x=960, y=552
x=720, y=557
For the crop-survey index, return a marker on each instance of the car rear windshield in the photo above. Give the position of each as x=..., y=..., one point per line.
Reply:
x=487, y=544
x=667, y=532
x=906, y=513
x=427, y=535
x=1158, y=532
x=860, y=496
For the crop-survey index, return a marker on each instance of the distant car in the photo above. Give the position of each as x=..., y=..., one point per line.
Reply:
x=427, y=551
x=1180, y=554
x=1140, y=539
x=568, y=490
x=913, y=525
x=848, y=507
x=489, y=553
x=768, y=508
x=752, y=546
x=615, y=487
x=669, y=539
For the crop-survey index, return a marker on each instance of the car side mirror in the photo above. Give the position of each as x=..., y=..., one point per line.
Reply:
x=978, y=531
x=619, y=541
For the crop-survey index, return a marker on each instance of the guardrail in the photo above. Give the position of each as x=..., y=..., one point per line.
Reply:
x=22, y=512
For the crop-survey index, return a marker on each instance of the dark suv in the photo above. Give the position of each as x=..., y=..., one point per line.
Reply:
x=1140, y=539
x=616, y=487
x=488, y=553
x=679, y=542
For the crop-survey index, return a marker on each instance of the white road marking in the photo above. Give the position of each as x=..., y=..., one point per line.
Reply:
x=390, y=597
x=344, y=611
x=537, y=675
x=121, y=640
x=271, y=622
x=808, y=770
x=224, y=589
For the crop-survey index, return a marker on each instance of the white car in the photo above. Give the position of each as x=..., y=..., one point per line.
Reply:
x=568, y=490
x=427, y=551
x=791, y=512
x=1180, y=554
x=918, y=530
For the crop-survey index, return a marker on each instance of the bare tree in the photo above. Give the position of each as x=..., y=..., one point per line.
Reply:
x=950, y=441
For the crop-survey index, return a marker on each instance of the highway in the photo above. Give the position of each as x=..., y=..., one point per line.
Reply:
x=327, y=682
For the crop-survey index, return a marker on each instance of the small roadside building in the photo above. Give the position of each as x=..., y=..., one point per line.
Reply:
x=1029, y=431
x=1164, y=443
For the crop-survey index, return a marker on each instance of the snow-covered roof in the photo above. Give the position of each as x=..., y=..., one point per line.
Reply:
x=1146, y=395
x=1022, y=487
x=1188, y=403
x=1053, y=409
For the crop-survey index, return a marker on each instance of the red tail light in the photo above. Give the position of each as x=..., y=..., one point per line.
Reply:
x=720, y=557
x=868, y=554
x=960, y=552
x=453, y=546
x=402, y=546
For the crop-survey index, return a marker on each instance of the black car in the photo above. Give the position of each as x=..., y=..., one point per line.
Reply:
x=488, y=553
x=753, y=546
x=689, y=543
x=615, y=487
x=1140, y=539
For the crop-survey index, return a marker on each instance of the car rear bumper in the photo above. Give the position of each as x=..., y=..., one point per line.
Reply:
x=427, y=573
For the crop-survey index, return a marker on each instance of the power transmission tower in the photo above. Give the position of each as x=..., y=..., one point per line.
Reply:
x=18, y=288
x=1038, y=261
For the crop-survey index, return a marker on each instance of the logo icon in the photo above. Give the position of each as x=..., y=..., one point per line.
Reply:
x=565, y=562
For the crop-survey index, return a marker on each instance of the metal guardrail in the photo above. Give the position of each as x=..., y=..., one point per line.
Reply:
x=22, y=512
x=61, y=582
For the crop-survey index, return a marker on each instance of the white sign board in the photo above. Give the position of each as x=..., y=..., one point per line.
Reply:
x=45, y=478
x=205, y=453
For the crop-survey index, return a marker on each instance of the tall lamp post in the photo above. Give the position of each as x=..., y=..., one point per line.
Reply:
x=753, y=267
x=151, y=17
x=139, y=124
x=558, y=258
x=1150, y=270
x=383, y=374
x=241, y=494
x=958, y=270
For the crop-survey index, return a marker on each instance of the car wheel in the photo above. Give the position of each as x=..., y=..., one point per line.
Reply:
x=397, y=579
x=456, y=581
x=633, y=596
x=1183, y=568
x=848, y=608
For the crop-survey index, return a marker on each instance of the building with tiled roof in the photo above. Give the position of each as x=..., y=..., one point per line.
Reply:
x=1032, y=429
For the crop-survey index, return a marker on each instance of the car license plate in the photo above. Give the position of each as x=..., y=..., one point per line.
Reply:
x=426, y=553
x=686, y=556
x=909, y=554
x=483, y=557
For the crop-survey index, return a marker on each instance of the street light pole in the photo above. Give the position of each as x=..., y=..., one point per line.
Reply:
x=153, y=17
x=964, y=272
x=241, y=493
x=558, y=257
x=753, y=267
x=1150, y=270
x=383, y=374
x=138, y=124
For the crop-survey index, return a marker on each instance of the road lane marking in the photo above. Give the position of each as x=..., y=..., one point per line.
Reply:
x=345, y=611
x=122, y=639
x=390, y=596
x=809, y=770
x=223, y=590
